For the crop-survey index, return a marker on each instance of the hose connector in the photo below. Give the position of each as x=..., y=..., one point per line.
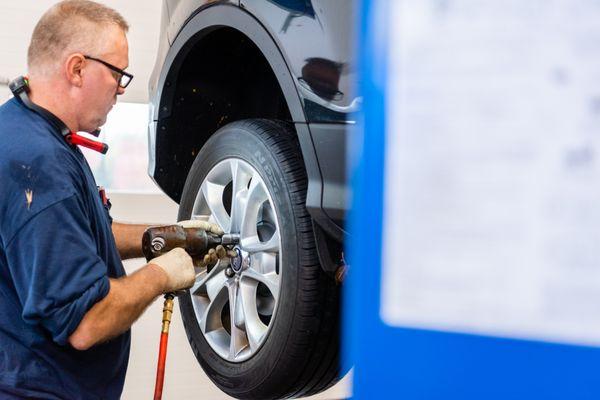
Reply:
x=167, y=312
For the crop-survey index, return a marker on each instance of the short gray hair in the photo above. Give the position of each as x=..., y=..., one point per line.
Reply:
x=67, y=27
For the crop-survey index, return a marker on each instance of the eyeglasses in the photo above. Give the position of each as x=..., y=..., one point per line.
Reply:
x=122, y=77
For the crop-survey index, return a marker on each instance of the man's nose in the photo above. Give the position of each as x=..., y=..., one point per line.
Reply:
x=120, y=90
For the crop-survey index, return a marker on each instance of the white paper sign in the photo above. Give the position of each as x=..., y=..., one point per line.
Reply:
x=492, y=180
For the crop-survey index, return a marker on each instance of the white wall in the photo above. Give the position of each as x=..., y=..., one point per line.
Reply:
x=18, y=18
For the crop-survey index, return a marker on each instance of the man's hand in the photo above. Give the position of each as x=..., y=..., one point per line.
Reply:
x=204, y=225
x=178, y=266
x=130, y=295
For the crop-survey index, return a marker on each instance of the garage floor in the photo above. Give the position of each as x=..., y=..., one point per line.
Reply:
x=184, y=378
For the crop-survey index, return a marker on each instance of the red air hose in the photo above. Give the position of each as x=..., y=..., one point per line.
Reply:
x=75, y=139
x=162, y=352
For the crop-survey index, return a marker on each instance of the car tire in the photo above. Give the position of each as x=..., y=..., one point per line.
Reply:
x=298, y=352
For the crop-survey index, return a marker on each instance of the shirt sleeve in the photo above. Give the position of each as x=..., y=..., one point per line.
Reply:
x=56, y=269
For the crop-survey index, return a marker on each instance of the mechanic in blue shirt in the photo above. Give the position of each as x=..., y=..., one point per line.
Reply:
x=66, y=305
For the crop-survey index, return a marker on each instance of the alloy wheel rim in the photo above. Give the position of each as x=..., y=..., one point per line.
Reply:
x=235, y=301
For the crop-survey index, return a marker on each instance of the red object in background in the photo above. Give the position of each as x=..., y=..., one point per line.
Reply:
x=75, y=139
x=102, y=192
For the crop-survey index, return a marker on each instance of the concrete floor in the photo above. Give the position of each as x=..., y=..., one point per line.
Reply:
x=184, y=378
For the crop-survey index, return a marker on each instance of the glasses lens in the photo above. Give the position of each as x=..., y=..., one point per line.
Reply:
x=124, y=81
x=116, y=75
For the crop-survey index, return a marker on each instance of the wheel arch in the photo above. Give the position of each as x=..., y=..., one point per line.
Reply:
x=223, y=66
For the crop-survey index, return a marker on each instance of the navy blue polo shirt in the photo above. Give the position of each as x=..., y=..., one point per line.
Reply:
x=57, y=253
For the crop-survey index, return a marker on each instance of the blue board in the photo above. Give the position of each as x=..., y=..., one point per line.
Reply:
x=394, y=362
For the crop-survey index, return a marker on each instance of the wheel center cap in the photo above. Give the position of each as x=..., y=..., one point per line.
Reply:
x=236, y=262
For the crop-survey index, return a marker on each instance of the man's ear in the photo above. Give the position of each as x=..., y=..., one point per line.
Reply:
x=74, y=69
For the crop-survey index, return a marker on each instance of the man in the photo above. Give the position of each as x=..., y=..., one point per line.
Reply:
x=66, y=305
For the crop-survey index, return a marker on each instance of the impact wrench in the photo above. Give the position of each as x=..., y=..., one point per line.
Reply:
x=205, y=248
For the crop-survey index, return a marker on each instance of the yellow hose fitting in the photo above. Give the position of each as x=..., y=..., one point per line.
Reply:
x=167, y=313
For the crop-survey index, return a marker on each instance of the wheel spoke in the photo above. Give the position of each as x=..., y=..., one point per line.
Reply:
x=264, y=262
x=215, y=285
x=239, y=194
x=200, y=217
x=238, y=337
x=270, y=280
x=211, y=319
x=257, y=195
x=202, y=278
x=255, y=328
x=252, y=244
x=213, y=194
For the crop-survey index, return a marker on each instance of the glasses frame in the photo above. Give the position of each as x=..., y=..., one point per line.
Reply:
x=113, y=68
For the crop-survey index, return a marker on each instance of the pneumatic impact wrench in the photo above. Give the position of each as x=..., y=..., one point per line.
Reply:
x=205, y=248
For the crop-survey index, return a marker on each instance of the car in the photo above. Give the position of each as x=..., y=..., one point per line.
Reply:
x=251, y=104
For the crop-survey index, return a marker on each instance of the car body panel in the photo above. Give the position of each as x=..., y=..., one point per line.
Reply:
x=330, y=141
x=324, y=73
x=181, y=11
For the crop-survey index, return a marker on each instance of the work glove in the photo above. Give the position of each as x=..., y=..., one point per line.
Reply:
x=177, y=264
x=200, y=224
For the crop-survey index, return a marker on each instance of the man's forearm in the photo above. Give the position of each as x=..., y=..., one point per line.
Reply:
x=126, y=300
x=128, y=238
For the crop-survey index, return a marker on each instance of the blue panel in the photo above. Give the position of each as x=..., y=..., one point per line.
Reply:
x=417, y=364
